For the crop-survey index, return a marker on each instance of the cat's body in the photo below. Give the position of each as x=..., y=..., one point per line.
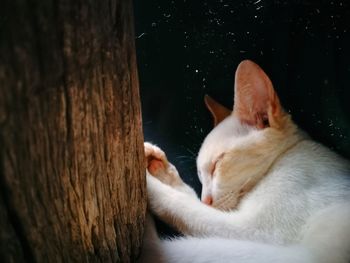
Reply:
x=270, y=194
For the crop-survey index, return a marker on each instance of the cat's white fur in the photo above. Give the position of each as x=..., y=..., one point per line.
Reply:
x=296, y=210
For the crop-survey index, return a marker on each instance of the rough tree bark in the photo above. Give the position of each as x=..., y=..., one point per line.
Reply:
x=71, y=145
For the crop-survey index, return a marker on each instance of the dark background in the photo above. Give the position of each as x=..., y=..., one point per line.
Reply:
x=189, y=48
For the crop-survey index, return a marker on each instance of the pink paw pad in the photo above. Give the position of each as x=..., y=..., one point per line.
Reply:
x=155, y=166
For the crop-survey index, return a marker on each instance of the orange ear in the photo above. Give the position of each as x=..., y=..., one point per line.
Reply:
x=218, y=111
x=256, y=102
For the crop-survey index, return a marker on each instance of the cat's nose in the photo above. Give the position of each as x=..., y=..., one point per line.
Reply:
x=208, y=200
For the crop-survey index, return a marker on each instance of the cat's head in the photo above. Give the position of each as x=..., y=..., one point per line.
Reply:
x=246, y=141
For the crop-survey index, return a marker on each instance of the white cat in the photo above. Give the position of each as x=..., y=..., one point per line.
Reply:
x=269, y=193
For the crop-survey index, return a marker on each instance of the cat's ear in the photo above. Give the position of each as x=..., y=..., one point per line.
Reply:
x=256, y=102
x=218, y=111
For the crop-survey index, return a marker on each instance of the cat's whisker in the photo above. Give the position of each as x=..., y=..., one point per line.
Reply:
x=191, y=152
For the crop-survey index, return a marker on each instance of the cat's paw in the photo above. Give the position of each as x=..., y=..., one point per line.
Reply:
x=155, y=158
x=159, y=166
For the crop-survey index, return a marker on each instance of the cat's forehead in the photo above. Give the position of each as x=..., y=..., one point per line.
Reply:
x=221, y=139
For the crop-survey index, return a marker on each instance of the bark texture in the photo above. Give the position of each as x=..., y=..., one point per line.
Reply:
x=71, y=145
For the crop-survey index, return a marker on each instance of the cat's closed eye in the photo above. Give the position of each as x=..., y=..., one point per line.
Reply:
x=213, y=166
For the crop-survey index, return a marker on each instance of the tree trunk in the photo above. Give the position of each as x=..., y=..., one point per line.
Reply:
x=71, y=145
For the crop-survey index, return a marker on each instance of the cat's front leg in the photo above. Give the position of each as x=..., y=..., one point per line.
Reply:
x=186, y=213
x=159, y=167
